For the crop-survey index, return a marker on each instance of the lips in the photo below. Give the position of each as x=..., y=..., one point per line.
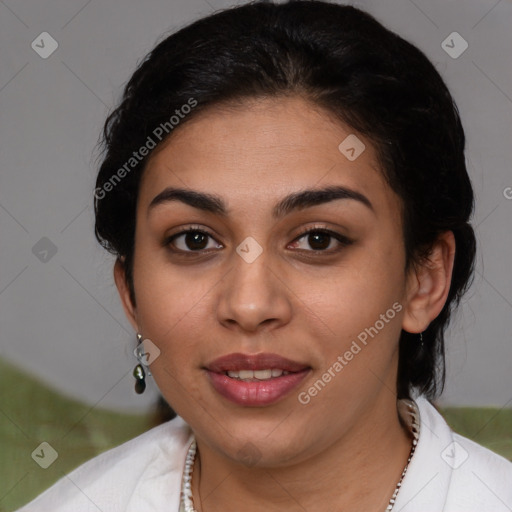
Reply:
x=255, y=380
x=237, y=362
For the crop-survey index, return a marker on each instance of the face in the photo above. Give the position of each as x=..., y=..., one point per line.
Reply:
x=270, y=277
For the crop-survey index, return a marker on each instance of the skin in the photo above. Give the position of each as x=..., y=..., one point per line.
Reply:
x=345, y=449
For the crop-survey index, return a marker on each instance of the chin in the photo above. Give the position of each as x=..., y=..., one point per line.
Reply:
x=265, y=443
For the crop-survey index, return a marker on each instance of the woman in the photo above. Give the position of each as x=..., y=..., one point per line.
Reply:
x=284, y=188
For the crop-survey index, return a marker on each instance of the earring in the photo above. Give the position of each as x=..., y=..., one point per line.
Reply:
x=139, y=373
x=140, y=379
x=421, y=339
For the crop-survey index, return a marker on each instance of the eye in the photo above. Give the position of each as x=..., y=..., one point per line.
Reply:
x=193, y=240
x=320, y=240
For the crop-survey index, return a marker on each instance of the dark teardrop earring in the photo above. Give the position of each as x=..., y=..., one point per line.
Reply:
x=139, y=373
x=140, y=379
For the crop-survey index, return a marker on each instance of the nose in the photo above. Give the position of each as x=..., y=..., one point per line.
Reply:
x=253, y=296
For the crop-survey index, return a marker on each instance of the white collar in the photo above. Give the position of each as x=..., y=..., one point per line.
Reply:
x=434, y=482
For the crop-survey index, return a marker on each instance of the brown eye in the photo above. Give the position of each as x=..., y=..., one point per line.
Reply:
x=193, y=241
x=319, y=241
x=196, y=241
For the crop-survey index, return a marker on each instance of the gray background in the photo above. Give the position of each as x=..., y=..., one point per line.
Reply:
x=61, y=318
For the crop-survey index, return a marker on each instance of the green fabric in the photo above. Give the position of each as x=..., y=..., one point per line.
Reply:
x=488, y=426
x=31, y=413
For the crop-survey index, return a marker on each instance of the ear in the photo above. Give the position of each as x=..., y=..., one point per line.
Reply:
x=124, y=293
x=428, y=285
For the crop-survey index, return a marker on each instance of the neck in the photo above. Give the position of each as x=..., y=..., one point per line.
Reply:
x=358, y=472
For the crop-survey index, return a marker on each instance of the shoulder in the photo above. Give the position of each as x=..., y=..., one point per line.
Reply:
x=140, y=474
x=472, y=477
x=480, y=477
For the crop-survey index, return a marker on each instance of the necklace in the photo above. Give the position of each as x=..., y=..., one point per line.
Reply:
x=408, y=411
x=410, y=414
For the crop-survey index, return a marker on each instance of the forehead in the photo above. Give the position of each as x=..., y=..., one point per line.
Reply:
x=264, y=148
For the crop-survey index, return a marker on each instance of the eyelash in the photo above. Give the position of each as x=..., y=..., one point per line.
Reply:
x=342, y=240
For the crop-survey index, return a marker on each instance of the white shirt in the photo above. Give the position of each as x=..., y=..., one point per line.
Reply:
x=448, y=473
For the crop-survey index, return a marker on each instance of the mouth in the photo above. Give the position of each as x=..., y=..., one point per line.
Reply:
x=255, y=380
x=257, y=375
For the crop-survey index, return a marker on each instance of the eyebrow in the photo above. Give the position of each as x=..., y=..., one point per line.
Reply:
x=312, y=197
x=200, y=200
x=296, y=201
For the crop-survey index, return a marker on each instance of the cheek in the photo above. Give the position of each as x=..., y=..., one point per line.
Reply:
x=172, y=310
x=168, y=304
x=352, y=296
x=356, y=315
x=172, y=304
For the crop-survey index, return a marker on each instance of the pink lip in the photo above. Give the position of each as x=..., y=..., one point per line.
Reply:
x=255, y=394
